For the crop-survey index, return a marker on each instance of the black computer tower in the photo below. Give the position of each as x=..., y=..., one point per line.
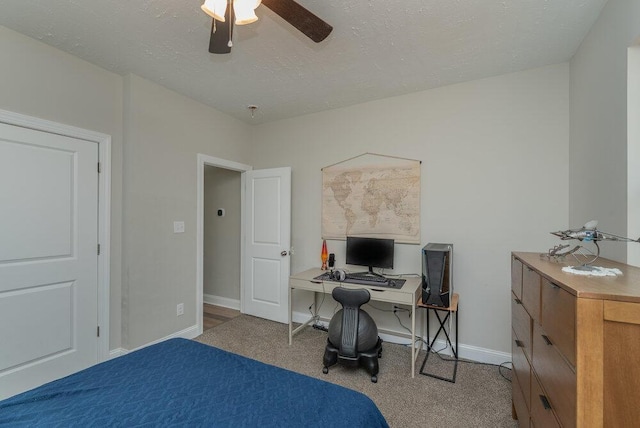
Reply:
x=437, y=274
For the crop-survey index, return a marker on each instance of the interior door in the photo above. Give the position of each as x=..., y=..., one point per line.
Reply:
x=267, y=243
x=48, y=257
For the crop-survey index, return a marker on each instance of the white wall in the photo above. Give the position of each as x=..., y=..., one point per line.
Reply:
x=164, y=132
x=40, y=81
x=156, y=135
x=494, y=179
x=633, y=154
x=221, y=276
x=494, y=176
x=598, y=149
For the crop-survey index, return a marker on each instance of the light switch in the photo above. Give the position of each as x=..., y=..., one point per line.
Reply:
x=220, y=212
x=178, y=227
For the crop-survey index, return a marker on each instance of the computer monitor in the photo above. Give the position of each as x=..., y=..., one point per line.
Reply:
x=370, y=252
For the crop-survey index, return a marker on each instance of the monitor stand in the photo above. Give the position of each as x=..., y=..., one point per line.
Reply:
x=370, y=272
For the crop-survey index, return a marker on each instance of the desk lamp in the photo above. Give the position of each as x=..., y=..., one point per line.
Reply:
x=324, y=255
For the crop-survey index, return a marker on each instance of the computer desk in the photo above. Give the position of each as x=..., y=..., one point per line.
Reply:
x=409, y=294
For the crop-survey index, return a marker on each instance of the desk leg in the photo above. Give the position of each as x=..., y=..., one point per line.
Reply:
x=413, y=341
x=292, y=331
x=316, y=316
x=457, y=312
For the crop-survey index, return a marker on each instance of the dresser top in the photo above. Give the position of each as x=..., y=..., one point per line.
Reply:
x=625, y=287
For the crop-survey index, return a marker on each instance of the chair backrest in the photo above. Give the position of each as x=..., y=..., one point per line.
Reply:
x=351, y=300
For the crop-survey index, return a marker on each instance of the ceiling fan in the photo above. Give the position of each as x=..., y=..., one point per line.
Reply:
x=227, y=12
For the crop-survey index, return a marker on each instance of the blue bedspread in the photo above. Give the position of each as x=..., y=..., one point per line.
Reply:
x=180, y=382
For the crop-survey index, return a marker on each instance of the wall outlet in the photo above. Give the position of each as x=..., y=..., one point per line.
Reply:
x=180, y=309
x=178, y=227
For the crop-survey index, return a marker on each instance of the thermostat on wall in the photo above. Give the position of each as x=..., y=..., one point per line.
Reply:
x=220, y=212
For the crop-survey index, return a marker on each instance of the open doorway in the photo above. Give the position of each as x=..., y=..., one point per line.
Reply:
x=265, y=239
x=221, y=247
x=219, y=237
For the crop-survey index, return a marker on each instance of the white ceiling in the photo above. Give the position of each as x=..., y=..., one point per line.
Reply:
x=377, y=48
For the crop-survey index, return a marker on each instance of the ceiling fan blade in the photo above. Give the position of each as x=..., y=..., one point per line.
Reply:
x=221, y=33
x=308, y=23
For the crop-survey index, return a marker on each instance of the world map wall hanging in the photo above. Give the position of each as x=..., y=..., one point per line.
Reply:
x=372, y=195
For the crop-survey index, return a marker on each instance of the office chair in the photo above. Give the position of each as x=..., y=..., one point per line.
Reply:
x=353, y=335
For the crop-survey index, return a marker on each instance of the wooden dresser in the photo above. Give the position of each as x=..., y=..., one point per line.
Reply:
x=576, y=344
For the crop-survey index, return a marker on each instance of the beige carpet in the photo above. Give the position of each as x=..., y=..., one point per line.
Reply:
x=481, y=397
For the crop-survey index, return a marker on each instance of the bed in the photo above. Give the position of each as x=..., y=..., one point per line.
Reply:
x=180, y=382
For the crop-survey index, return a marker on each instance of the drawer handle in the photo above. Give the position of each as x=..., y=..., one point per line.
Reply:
x=518, y=301
x=545, y=402
x=519, y=344
x=546, y=339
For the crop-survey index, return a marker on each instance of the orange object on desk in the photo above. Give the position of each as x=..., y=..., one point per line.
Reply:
x=324, y=255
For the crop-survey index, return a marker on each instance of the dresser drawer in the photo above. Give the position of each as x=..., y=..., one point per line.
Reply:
x=521, y=370
x=521, y=323
x=522, y=412
x=541, y=410
x=559, y=319
x=557, y=376
x=516, y=277
x=531, y=292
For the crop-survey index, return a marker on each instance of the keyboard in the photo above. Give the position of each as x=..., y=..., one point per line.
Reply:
x=369, y=278
x=373, y=281
x=364, y=279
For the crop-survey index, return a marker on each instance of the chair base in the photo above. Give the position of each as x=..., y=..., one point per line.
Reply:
x=367, y=359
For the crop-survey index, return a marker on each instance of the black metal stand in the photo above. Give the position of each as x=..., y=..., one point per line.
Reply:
x=452, y=309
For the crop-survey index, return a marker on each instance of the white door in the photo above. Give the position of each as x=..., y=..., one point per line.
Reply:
x=48, y=257
x=267, y=243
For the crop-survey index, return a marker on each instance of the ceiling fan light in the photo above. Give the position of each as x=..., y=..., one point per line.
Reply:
x=245, y=11
x=215, y=9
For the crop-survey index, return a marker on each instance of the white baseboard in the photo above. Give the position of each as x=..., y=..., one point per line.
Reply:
x=118, y=352
x=483, y=355
x=187, y=333
x=221, y=301
x=468, y=352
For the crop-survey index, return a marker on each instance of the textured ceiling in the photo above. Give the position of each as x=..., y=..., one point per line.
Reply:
x=377, y=48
